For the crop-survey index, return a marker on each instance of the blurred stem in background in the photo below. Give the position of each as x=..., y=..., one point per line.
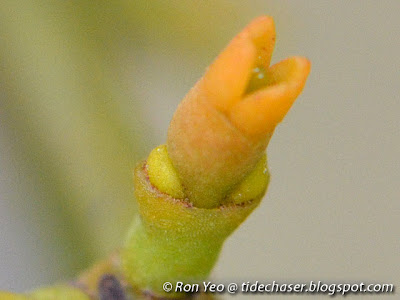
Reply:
x=70, y=109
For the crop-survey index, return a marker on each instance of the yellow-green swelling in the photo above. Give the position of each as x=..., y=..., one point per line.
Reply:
x=253, y=185
x=173, y=240
x=162, y=174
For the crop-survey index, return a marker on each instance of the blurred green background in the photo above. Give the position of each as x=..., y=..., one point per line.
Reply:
x=87, y=89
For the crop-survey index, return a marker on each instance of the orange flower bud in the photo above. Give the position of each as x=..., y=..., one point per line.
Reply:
x=222, y=127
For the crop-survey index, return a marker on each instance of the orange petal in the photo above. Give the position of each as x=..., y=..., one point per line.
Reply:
x=262, y=33
x=258, y=113
x=227, y=78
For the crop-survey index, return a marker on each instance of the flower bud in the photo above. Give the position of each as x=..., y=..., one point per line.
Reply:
x=222, y=127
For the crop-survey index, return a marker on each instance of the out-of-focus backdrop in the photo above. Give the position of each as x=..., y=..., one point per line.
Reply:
x=88, y=88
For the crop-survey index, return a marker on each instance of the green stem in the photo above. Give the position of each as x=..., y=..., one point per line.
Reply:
x=172, y=240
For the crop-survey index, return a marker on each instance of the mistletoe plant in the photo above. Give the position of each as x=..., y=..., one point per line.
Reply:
x=195, y=190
